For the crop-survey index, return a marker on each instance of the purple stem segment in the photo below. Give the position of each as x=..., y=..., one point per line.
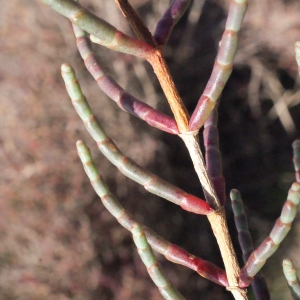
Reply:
x=281, y=228
x=213, y=156
x=166, y=24
x=124, y=100
x=222, y=67
x=259, y=284
x=178, y=255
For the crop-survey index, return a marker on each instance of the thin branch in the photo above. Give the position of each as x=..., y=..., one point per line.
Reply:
x=177, y=255
x=129, y=168
x=103, y=33
x=124, y=100
x=291, y=278
x=154, y=269
x=213, y=155
x=222, y=67
x=259, y=284
x=281, y=228
x=136, y=23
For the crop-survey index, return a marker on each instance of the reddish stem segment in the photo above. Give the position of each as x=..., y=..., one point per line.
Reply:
x=178, y=255
x=166, y=24
x=213, y=155
x=124, y=100
x=222, y=67
x=128, y=167
x=259, y=284
x=281, y=228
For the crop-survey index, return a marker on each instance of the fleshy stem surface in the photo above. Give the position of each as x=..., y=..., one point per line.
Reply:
x=297, y=51
x=166, y=24
x=213, y=156
x=259, y=284
x=106, y=34
x=281, y=228
x=129, y=168
x=291, y=278
x=136, y=23
x=115, y=208
x=177, y=255
x=296, y=159
x=124, y=100
x=222, y=67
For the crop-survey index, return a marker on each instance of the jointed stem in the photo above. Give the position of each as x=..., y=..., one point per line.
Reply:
x=259, y=284
x=124, y=100
x=291, y=278
x=115, y=208
x=281, y=228
x=129, y=168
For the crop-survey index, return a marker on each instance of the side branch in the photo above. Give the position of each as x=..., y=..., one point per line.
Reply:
x=123, y=99
x=223, y=65
x=129, y=168
x=154, y=269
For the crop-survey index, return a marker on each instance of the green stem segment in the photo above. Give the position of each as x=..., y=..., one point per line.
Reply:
x=281, y=228
x=222, y=67
x=291, y=278
x=129, y=168
x=115, y=208
x=105, y=34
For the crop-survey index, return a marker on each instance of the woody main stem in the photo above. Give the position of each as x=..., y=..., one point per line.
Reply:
x=217, y=219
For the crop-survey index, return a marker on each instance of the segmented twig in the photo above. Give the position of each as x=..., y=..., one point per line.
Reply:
x=281, y=228
x=105, y=34
x=213, y=155
x=177, y=255
x=166, y=24
x=129, y=168
x=296, y=158
x=297, y=51
x=115, y=208
x=124, y=100
x=223, y=65
x=291, y=278
x=259, y=284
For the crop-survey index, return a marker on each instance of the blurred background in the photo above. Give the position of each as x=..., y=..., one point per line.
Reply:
x=57, y=240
